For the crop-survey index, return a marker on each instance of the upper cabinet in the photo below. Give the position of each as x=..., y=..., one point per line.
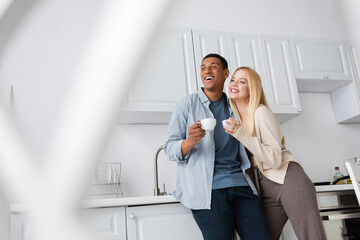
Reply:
x=276, y=70
x=171, y=70
x=205, y=42
x=237, y=48
x=346, y=100
x=320, y=65
x=245, y=51
x=166, y=75
x=281, y=89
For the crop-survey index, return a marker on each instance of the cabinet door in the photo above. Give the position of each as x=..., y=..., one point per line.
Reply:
x=161, y=222
x=320, y=65
x=282, y=93
x=166, y=75
x=106, y=223
x=20, y=229
x=205, y=42
x=346, y=99
x=245, y=51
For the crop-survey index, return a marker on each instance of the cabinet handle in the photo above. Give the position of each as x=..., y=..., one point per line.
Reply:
x=131, y=216
x=9, y=96
x=341, y=216
x=326, y=76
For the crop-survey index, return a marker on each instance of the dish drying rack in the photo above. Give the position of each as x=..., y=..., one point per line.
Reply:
x=106, y=180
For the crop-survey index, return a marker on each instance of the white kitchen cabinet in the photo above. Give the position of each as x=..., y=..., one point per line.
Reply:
x=245, y=51
x=205, y=42
x=166, y=75
x=238, y=49
x=161, y=222
x=320, y=65
x=20, y=229
x=279, y=83
x=346, y=99
x=276, y=69
x=106, y=223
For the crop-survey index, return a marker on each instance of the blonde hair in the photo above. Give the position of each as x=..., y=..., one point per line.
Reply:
x=256, y=98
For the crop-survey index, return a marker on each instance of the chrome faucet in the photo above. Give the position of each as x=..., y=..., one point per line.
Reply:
x=157, y=191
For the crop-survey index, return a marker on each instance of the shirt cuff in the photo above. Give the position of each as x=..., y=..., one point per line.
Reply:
x=178, y=154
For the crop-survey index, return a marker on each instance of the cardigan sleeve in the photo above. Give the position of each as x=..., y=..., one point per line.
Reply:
x=266, y=145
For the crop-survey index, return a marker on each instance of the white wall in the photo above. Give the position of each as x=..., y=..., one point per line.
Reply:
x=348, y=18
x=42, y=54
x=317, y=140
x=305, y=18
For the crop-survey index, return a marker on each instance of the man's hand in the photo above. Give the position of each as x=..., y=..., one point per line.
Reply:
x=196, y=133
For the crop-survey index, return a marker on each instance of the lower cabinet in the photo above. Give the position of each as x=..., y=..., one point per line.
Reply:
x=148, y=222
x=161, y=222
x=20, y=229
x=151, y=222
x=106, y=223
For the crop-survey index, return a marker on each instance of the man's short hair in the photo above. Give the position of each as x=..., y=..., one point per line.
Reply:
x=223, y=61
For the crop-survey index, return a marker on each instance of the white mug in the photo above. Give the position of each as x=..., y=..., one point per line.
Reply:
x=208, y=123
x=226, y=124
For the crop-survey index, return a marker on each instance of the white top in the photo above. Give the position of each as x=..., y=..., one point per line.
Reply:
x=336, y=187
x=111, y=202
x=149, y=200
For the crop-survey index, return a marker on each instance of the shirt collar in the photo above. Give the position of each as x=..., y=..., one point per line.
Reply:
x=202, y=95
x=204, y=99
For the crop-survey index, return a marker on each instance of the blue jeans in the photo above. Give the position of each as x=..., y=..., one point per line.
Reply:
x=235, y=208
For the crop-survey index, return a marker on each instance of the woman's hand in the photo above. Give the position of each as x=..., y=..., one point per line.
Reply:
x=234, y=125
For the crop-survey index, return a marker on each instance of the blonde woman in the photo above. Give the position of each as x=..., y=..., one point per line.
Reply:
x=286, y=191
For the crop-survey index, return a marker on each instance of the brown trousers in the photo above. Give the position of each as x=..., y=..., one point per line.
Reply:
x=294, y=200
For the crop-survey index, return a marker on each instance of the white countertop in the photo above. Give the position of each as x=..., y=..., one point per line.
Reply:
x=336, y=187
x=150, y=200
x=131, y=201
x=111, y=202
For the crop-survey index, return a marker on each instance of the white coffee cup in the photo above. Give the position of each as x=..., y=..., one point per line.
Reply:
x=208, y=123
x=226, y=124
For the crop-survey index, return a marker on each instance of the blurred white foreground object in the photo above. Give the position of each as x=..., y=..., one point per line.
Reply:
x=353, y=167
x=17, y=170
x=4, y=4
x=89, y=111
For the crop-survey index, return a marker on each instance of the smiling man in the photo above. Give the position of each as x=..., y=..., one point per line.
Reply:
x=211, y=178
x=214, y=72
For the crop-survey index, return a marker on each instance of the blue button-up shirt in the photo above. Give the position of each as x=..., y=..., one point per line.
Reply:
x=195, y=170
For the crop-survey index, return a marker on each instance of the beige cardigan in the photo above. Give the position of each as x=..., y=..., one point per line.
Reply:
x=271, y=157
